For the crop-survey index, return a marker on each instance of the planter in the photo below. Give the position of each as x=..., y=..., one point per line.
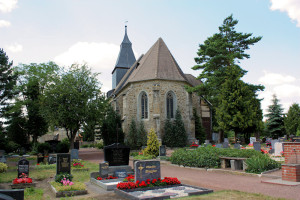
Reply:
x=68, y=193
x=22, y=185
x=162, y=192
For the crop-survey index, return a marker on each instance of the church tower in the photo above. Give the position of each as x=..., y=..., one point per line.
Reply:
x=125, y=59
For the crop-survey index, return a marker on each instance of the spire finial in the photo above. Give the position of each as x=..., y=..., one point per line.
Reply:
x=126, y=26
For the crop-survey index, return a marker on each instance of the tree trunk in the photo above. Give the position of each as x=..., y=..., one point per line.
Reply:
x=221, y=136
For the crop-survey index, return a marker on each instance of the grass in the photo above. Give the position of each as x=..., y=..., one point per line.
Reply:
x=76, y=186
x=33, y=194
x=231, y=195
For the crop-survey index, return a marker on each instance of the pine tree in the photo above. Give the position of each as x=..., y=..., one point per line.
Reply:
x=7, y=82
x=169, y=135
x=132, y=137
x=275, y=124
x=142, y=135
x=292, y=120
x=200, y=133
x=152, y=144
x=180, y=135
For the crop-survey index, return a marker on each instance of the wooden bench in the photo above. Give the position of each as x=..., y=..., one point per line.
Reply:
x=234, y=162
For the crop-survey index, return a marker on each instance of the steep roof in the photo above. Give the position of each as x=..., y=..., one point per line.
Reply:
x=157, y=63
x=126, y=56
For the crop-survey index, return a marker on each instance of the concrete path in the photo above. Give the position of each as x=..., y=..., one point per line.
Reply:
x=212, y=180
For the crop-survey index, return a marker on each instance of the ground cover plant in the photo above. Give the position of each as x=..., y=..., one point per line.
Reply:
x=261, y=163
x=33, y=193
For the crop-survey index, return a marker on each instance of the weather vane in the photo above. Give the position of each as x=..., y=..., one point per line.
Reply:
x=126, y=23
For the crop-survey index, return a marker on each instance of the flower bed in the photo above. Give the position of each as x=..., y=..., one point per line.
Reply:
x=23, y=182
x=109, y=183
x=78, y=166
x=68, y=189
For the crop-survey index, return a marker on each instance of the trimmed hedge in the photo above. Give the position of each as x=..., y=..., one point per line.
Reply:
x=207, y=157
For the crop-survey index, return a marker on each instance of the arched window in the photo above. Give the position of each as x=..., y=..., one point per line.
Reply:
x=144, y=105
x=170, y=105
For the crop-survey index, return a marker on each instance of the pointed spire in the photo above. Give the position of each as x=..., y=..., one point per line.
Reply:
x=126, y=39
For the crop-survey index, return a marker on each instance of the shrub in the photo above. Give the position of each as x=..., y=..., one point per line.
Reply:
x=3, y=167
x=261, y=163
x=132, y=138
x=99, y=145
x=143, y=157
x=134, y=154
x=152, y=144
x=168, y=137
x=61, y=176
x=199, y=130
x=141, y=135
x=11, y=146
x=63, y=146
x=42, y=147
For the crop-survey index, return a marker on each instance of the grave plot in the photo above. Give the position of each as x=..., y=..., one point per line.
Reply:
x=23, y=180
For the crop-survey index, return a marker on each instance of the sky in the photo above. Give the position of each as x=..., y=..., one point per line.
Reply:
x=91, y=31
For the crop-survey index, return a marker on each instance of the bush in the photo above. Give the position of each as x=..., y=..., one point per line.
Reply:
x=261, y=163
x=63, y=146
x=42, y=147
x=61, y=176
x=75, y=186
x=3, y=167
x=143, y=157
x=152, y=144
x=99, y=145
x=132, y=138
x=134, y=154
x=11, y=146
x=142, y=135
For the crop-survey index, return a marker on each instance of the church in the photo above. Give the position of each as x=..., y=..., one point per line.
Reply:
x=152, y=87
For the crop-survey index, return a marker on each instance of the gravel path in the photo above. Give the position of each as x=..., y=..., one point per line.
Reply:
x=213, y=180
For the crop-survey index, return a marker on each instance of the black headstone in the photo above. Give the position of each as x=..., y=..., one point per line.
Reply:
x=63, y=163
x=17, y=194
x=162, y=150
x=148, y=169
x=23, y=167
x=103, y=169
x=116, y=154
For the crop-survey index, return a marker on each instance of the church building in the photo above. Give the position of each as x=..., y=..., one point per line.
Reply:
x=152, y=87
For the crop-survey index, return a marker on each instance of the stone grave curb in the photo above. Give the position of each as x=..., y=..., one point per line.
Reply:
x=67, y=193
x=103, y=185
x=125, y=194
x=266, y=173
x=22, y=185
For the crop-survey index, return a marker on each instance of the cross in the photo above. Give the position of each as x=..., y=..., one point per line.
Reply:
x=140, y=168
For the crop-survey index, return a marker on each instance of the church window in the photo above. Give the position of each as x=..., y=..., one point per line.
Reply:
x=144, y=106
x=170, y=105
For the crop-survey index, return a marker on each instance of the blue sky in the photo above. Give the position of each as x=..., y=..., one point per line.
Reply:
x=68, y=31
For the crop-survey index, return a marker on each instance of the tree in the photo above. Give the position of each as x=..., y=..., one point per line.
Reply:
x=141, y=135
x=292, y=120
x=275, y=124
x=199, y=130
x=219, y=52
x=7, y=83
x=66, y=101
x=111, y=129
x=132, y=137
x=152, y=144
x=179, y=131
x=169, y=135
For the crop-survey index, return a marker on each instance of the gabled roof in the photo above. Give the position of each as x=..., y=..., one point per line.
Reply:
x=157, y=63
x=126, y=56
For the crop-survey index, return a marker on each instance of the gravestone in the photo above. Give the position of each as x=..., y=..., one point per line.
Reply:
x=226, y=140
x=237, y=146
x=121, y=173
x=15, y=194
x=51, y=159
x=225, y=145
x=257, y=146
x=215, y=137
x=252, y=139
x=76, y=145
x=63, y=163
x=219, y=145
x=162, y=150
x=273, y=145
x=148, y=169
x=196, y=142
x=278, y=149
x=23, y=167
x=2, y=156
x=74, y=154
x=40, y=158
x=116, y=154
x=207, y=142
x=103, y=169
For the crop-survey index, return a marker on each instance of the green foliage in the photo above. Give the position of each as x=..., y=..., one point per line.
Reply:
x=169, y=134
x=61, y=176
x=180, y=135
x=111, y=129
x=275, y=124
x=207, y=156
x=152, y=144
x=134, y=154
x=100, y=145
x=132, y=138
x=43, y=147
x=292, y=120
x=11, y=146
x=141, y=135
x=261, y=163
x=75, y=186
x=33, y=193
x=143, y=157
x=199, y=130
x=63, y=146
x=220, y=51
x=3, y=167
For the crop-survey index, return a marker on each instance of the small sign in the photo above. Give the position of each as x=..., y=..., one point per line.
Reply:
x=147, y=170
x=252, y=139
x=63, y=163
x=23, y=167
x=103, y=169
x=162, y=150
x=121, y=173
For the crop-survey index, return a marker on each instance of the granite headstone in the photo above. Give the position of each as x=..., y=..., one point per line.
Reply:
x=219, y=145
x=74, y=154
x=23, y=167
x=237, y=146
x=63, y=163
x=2, y=156
x=103, y=169
x=226, y=140
x=51, y=159
x=116, y=154
x=278, y=149
x=162, y=150
x=225, y=145
x=148, y=169
x=15, y=194
x=257, y=146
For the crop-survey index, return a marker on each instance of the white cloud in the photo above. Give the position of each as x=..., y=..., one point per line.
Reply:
x=287, y=90
x=292, y=7
x=4, y=23
x=7, y=5
x=15, y=48
x=276, y=79
x=101, y=57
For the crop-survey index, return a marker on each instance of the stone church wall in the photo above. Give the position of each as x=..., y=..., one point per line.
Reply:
x=128, y=106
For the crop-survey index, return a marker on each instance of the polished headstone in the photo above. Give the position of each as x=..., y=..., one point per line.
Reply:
x=116, y=154
x=103, y=169
x=121, y=173
x=63, y=163
x=23, y=167
x=257, y=146
x=162, y=150
x=74, y=154
x=148, y=169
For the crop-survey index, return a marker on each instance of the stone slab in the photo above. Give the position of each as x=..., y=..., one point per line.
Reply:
x=281, y=182
x=107, y=185
x=15, y=194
